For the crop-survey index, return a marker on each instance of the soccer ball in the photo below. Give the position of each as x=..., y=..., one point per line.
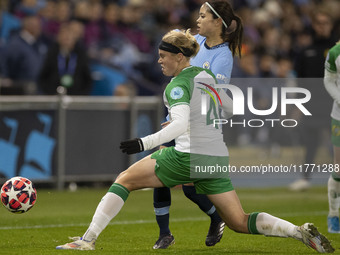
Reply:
x=18, y=194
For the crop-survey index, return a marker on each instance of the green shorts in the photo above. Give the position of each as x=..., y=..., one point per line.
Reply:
x=335, y=132
x=174, y=168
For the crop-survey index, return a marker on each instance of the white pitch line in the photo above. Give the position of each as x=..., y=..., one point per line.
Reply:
x=130, y=222
x=126, y=222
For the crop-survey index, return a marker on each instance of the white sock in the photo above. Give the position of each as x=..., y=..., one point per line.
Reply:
x=333, y=196
x=107, y=209
x=269, y=225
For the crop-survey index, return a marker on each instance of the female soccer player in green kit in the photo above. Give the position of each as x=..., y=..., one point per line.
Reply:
x=220, y=33
x=331, y=81
x=198, y=143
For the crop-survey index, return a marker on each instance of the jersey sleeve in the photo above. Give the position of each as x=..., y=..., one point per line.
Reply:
x=330, y=65
x=179, y=124
x=177, y=93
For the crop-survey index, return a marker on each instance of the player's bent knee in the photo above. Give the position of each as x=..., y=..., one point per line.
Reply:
x=130, y=186
x=120, y=175
x=128, y=181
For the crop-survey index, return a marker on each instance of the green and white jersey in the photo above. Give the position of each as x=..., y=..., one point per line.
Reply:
x=332, y=65
x=193, y=87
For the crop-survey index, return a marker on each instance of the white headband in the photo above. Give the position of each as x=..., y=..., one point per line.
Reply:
x=213, y=10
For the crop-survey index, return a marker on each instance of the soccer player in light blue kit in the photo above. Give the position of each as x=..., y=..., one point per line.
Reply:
x=219, y=36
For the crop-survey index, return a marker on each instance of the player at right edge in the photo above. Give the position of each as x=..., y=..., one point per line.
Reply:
x=331, y=82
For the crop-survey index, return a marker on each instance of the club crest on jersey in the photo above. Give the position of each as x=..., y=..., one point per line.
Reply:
x=176, y=93
x=206, y=65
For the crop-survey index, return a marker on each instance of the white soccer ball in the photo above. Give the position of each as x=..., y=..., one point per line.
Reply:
x=18, y=194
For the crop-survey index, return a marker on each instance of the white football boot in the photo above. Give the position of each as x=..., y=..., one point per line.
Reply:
x=78, y=244
x=314, y=239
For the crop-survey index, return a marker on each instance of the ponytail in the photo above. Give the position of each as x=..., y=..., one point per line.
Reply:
x=232, y=29
x=234, y=36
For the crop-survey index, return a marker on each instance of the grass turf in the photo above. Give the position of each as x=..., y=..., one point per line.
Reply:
x=58, y=215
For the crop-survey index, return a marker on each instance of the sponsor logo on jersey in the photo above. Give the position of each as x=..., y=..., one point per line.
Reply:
x=222, y=78
x=211, y=95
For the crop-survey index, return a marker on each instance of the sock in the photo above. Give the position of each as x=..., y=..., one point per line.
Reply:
x=333, y=195
x=161, y=203
x=268, y=225
x=203, y=202
x=107, y=209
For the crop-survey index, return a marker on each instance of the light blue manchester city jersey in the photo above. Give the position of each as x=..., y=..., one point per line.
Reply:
x=218, y=59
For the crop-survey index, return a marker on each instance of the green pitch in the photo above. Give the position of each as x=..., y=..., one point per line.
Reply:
x=58, y=215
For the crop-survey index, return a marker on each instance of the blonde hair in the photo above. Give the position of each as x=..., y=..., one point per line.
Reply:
x=183, y=40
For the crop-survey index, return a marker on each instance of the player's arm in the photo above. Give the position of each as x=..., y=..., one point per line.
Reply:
x=329, y=80
x=178, y=125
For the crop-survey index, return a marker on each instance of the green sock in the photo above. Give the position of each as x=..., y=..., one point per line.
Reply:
x=252, y=223
x=119, y=190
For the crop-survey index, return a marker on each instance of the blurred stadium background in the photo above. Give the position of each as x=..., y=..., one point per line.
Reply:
x=69, y=138
x=72, y=135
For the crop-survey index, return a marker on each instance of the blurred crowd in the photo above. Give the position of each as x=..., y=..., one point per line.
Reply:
x=109, y=47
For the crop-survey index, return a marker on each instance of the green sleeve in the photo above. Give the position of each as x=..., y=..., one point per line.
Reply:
x=332, y=55
x=178, y=93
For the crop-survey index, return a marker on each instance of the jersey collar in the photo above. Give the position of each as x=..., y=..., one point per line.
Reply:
x=224, y=44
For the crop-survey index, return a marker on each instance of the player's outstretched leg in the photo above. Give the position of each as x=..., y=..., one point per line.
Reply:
x=162, y=202
x=268, y=225
x=262, y=223
x=333, y=202
x=216, y=228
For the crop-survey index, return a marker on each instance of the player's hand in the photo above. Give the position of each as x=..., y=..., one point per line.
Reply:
x=132, y=146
